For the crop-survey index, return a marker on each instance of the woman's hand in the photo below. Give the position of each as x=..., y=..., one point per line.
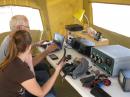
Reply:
x=60, y=65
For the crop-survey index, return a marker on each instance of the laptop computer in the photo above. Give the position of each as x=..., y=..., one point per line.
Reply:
x=59, y=40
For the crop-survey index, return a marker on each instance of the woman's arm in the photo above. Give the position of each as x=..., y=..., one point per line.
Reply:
x=32, y=86
x=38, y=58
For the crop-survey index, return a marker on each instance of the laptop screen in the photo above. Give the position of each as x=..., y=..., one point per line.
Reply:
x=59, y=40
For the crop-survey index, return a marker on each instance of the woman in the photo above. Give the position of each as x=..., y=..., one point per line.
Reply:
x=15, y=74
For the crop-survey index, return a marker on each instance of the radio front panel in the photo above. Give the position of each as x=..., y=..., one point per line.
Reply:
x=102, y=60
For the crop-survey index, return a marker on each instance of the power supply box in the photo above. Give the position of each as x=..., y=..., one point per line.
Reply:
x=111, y=58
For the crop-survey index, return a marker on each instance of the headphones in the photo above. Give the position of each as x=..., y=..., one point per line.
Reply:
x=104, y=79
x=100, y=80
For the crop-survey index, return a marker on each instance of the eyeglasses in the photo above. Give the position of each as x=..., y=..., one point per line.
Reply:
x=24, y=26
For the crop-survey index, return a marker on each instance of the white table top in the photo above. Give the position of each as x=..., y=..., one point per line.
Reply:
x=114, y=89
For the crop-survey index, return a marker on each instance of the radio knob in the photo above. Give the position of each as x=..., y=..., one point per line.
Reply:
x=92, y=56
x=108, y=62
x=96, y=58
x=109, y=72
x=104, y=68
x=100, y=60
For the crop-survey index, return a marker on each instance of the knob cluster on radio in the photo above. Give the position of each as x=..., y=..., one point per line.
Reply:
x=96, y=58
x=101, y=60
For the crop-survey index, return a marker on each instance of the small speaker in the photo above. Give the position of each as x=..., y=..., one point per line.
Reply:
x=124, y=80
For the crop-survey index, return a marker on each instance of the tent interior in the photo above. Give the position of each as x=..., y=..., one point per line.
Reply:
x=54, y=15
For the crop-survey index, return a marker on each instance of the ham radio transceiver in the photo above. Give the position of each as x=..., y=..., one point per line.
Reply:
x=111, y=58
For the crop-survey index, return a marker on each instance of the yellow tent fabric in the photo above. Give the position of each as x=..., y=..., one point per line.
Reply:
x=30, y=3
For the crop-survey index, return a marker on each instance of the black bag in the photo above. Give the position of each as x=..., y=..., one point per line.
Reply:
x=76, y=69
x=74, y=27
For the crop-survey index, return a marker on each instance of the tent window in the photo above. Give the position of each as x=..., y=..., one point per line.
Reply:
x=33, y=15
x=112, y=17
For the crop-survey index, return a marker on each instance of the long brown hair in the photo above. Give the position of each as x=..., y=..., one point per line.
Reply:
x=18, y=44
